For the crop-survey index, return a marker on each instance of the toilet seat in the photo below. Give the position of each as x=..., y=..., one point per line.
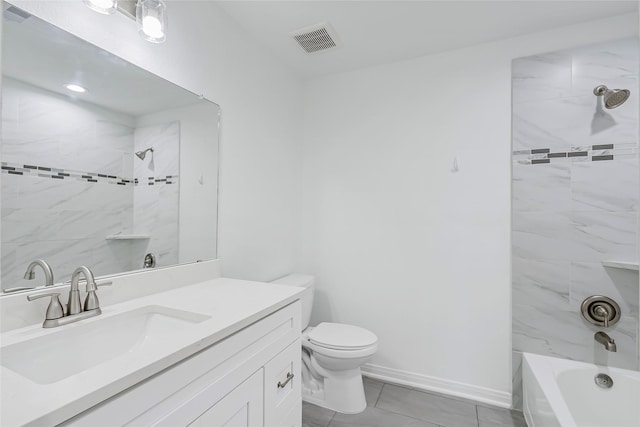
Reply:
x=339, y=336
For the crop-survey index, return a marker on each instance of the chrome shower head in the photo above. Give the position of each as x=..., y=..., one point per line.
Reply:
x=142, y=154
x=612, y=97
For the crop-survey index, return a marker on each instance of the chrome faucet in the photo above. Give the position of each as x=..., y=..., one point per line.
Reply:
x=56, y=317
x=73, y=306
x=30, y=274
x=608, y=342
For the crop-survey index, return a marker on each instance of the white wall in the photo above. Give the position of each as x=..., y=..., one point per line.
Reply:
x=399, y=243
x=207, y=53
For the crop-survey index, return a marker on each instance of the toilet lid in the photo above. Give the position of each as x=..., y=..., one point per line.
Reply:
x=341, y=337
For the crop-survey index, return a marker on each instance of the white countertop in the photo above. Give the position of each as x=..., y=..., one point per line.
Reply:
x=231, y=304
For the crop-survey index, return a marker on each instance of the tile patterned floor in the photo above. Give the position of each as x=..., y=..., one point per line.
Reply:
x=390, y=405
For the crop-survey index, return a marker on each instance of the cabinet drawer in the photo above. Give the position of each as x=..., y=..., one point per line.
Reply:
x=282, y=385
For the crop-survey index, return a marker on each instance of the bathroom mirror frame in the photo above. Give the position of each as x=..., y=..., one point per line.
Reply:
x=198, y=185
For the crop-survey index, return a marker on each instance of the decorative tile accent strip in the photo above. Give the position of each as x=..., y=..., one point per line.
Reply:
x=48, y=172
x=577, y=153
x=607, y=157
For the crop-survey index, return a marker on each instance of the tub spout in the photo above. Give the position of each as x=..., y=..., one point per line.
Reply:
x=606, y=341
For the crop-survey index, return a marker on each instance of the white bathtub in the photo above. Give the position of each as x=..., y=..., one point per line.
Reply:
x=560, y=392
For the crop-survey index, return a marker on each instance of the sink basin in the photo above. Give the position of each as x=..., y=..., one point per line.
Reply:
x=64, y=353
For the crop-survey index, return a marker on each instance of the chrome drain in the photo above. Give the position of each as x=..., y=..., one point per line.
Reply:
x=603, y=381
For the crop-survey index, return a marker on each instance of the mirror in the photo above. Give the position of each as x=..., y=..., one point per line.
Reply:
x=118, y=177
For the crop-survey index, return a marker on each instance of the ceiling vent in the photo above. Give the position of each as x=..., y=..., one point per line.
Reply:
x=316, y=38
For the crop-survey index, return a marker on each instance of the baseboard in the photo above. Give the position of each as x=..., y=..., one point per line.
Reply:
x=439, y=385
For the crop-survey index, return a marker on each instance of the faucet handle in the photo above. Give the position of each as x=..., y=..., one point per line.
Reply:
x=91, y=302
x=54, y=310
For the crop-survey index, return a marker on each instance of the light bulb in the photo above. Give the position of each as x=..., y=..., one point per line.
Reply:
x=102, y=6
x=75, y=88
x=151, y=18
x=151, y=26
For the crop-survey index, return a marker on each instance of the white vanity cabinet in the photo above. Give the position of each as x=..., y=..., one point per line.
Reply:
x=243, y=407
x=250, y=378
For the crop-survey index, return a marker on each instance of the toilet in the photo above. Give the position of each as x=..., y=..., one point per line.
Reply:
x=332, y=354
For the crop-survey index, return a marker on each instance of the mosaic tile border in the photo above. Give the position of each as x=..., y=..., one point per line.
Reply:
x=56, y=173
x=594, y=153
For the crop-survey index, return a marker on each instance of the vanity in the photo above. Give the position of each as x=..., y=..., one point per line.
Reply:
x=209, y=351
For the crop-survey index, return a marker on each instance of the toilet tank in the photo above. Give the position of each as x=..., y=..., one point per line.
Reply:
x=302, y=281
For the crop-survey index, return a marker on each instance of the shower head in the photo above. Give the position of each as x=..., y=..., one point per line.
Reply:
x=142, y=154
x=612, y=97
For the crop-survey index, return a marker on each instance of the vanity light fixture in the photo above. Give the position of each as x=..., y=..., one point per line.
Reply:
x=106, y=7
x=151, y=17
x=75, y=88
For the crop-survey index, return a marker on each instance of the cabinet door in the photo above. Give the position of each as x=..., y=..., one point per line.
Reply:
x=282, y=386
x=243, y=407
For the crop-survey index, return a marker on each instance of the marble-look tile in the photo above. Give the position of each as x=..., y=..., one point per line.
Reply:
x=538, y=77
x=594, y=279
x=427, y=407
x=516, y=380
x=599, y=236
x=114, y=135
x=10, y=191
x=97, y=160
x=614, y=64
x=544, y=187
x=165, y=140
x=593, y=189
x=10, y=101
x=145, y=208
x=565, y=334
x=372, y=389
x=26, y=225
x=63, y=256
x=488, y=417
x=533, y=127
x=375, y=417
x=10, y=268
x=31, y=150
x=543, y=236
x=557, y=124
x=541, y=282
x=315, y=416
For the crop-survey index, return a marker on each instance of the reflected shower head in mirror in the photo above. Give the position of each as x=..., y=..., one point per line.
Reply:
x=142, y=154
x=612, y=97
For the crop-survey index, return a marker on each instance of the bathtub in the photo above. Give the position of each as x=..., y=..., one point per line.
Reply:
x=561, y=392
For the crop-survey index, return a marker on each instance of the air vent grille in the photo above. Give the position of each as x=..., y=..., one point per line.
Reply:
x=316, y=38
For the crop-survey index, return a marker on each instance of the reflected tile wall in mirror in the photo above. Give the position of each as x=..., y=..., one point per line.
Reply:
x=73, y=191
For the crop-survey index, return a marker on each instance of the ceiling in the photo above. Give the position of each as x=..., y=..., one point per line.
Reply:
x=379, y=32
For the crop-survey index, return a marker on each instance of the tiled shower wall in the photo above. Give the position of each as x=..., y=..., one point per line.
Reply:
x=155, y=206
x=574, y=201
x=67, y=184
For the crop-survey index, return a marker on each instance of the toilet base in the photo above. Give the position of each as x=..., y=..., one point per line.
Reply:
x=342, y=391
